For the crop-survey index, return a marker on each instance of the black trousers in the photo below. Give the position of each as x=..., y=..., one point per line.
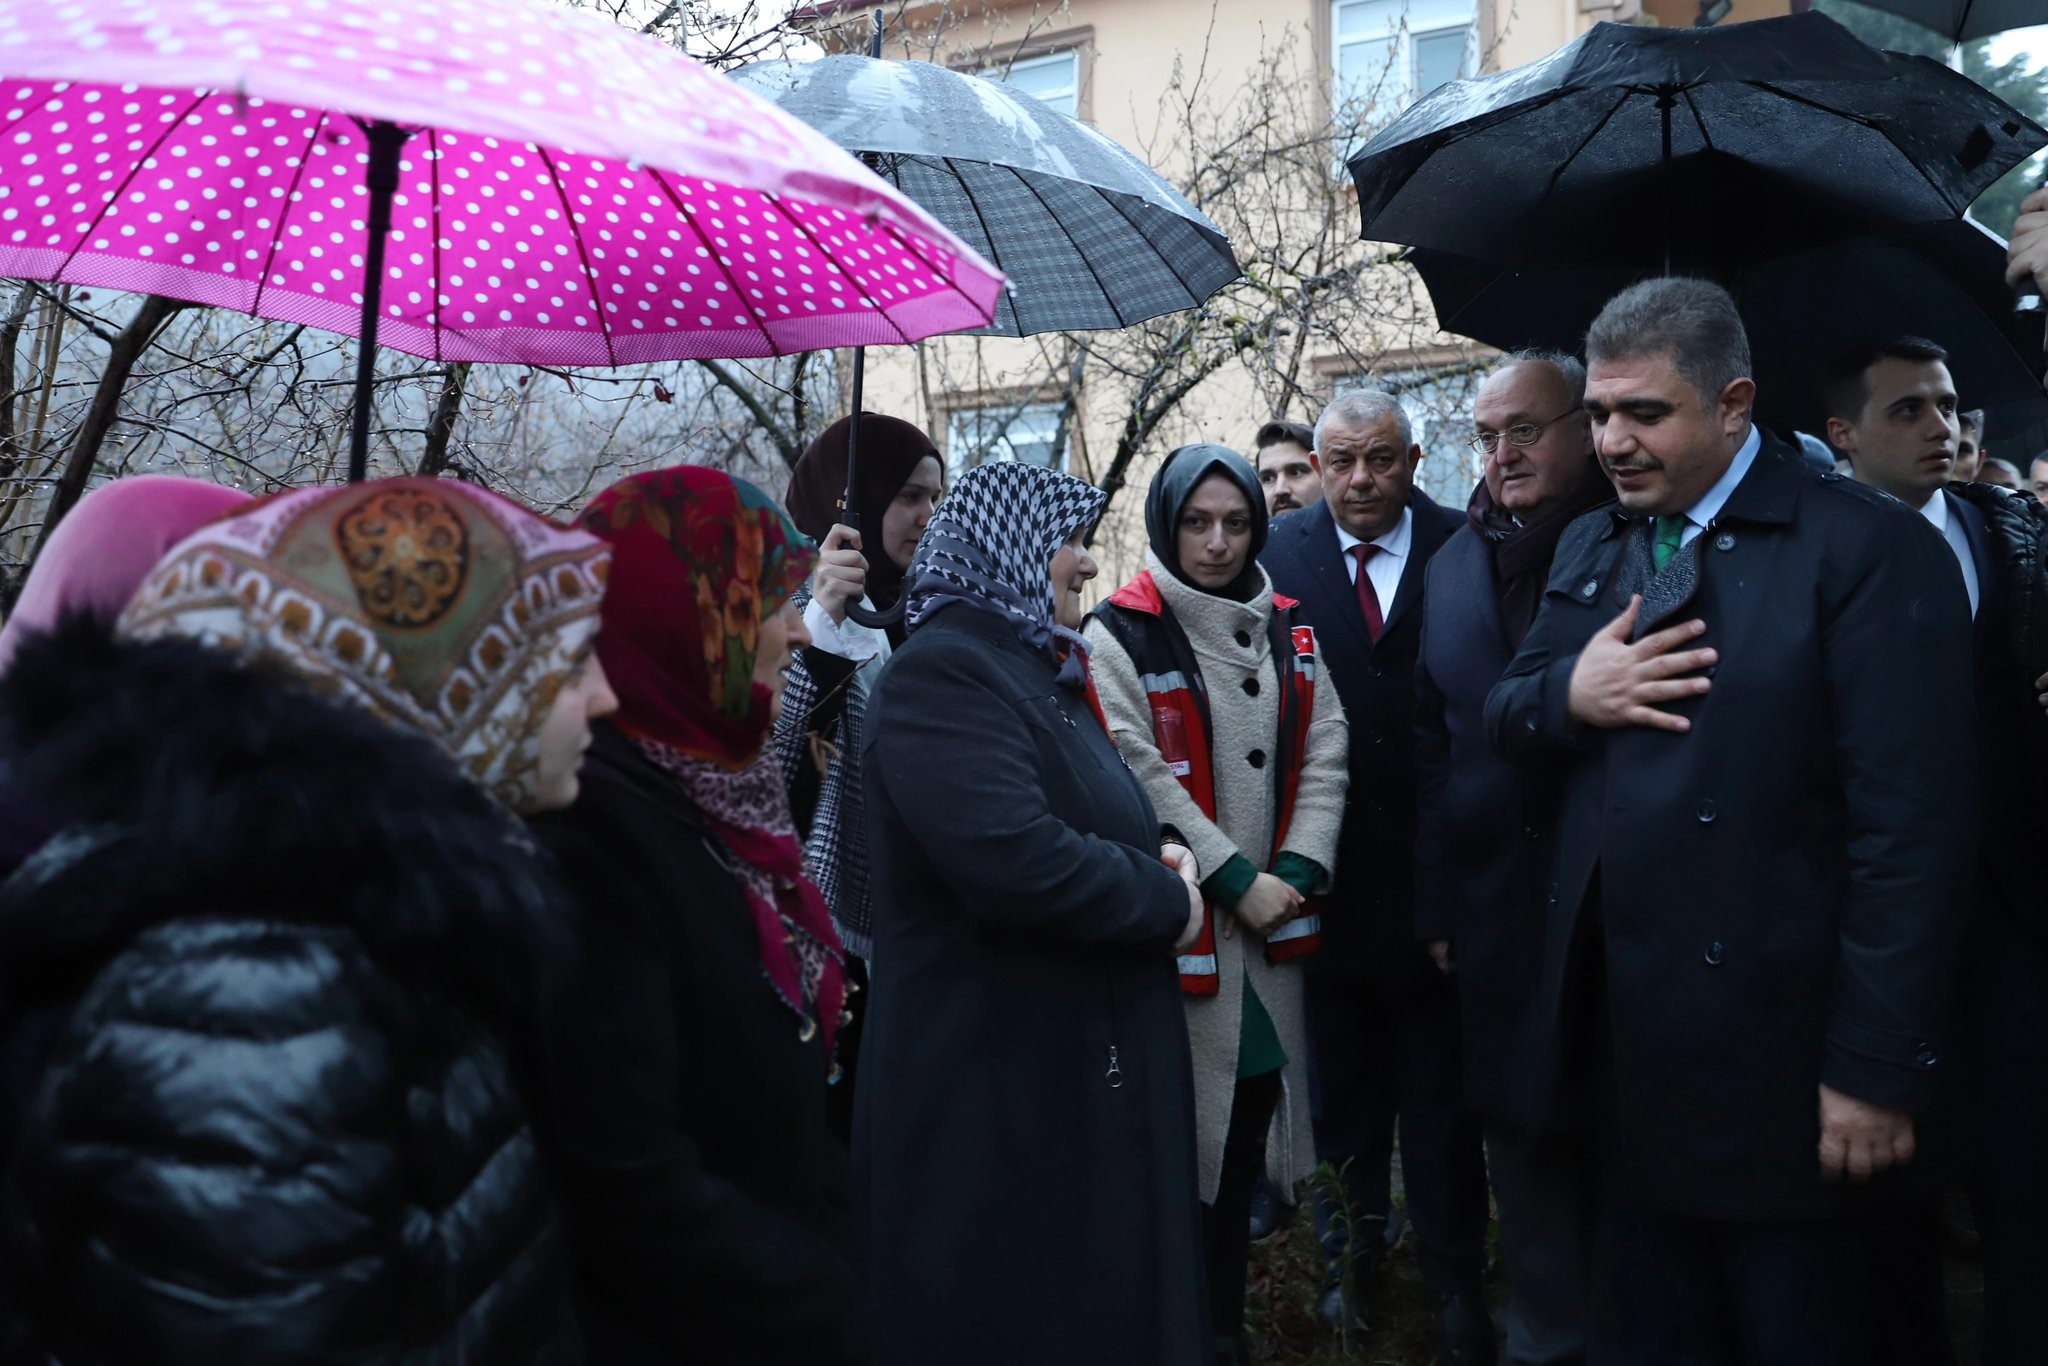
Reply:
x=1673, y=1291
x=1376, y=1058
x=1226, y=1224
x=2003, y=1041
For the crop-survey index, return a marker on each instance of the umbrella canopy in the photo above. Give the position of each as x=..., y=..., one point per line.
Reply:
x=1688, y=149
x=1945, y=282
x=1959, y=21
x=571, y=193
x=1089, y=235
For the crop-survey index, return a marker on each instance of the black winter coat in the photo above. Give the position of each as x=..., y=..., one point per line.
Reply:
x=1780, y=886
x=254, y=999
x=711, y=1210
x=1486, y=830
x=1024, y=1133
x=1368, y=919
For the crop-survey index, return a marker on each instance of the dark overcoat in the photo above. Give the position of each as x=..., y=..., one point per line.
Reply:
x=1367, y=923
x=1485, y=830
x=1024, y=1132
x=1780, y=885
x=710, y=1207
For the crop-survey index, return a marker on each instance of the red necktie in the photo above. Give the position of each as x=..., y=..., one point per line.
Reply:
x=1368, y=600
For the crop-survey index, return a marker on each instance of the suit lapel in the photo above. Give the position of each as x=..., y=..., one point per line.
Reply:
x=1426, y=534
x=1980, y=558
x=1340, y=595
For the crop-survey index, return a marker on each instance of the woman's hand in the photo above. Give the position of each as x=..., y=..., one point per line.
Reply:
x=1266, y=905
x=1181, y=859
x=842, y=573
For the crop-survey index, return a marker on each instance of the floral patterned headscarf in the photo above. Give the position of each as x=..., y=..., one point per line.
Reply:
x=700, y=560
x=435, y=605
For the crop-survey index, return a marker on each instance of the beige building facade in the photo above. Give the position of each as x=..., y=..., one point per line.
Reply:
x=1250, y=107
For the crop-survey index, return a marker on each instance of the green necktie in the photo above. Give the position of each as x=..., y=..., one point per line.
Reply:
x=1669, y=535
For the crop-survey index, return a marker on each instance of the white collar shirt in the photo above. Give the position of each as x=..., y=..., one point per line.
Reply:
x=1714, y=499
x=1385, y=568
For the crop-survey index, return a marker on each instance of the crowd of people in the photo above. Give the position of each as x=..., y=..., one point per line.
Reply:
x=432, y=932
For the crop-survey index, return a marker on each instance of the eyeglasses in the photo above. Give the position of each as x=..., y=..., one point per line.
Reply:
x=1521, y=434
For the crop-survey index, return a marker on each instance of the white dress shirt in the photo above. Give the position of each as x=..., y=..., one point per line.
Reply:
x=1937, y=511
x=1384, y=569
x=1714, y=499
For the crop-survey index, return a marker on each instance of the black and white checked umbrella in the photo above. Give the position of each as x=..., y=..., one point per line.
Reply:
x=1090, y=236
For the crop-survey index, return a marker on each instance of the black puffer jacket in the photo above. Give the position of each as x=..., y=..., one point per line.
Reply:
x=249, y=999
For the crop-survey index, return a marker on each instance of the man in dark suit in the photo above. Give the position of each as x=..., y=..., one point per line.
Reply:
x=1382, y=1020
x=1484, y=835
x=1893, y=413
x=1746, y=676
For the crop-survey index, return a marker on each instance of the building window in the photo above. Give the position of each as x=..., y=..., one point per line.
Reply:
x=1054, y=79
x=1029, y=432
x=1389, y=52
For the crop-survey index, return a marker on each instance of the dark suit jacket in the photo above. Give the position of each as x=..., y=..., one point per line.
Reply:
x=1367, y=922
x=1485, y=830
x=1777, y=888
x=2005, y=709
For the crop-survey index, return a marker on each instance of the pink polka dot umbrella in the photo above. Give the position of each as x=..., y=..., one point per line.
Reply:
x=467, y=180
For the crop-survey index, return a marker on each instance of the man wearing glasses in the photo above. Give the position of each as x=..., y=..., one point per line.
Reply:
x=1383, y=1022
x=1483, y=841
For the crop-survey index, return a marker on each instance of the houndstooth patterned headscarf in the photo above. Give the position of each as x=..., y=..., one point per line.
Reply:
x=990, y=546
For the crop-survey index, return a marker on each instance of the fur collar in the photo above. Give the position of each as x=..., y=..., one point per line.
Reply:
x=196, y=787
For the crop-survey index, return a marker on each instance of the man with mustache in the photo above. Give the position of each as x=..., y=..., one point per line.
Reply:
x=1383, y=1023
x=1744, y=676
x=1892, y=407
x=1287, y=467
x=1485, y=830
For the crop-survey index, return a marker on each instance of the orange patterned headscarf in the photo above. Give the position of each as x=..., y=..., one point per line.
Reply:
x=436, y=605
x=700, y=559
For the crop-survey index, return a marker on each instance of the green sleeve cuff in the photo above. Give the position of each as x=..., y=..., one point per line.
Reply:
x=1299, y=871
x=1231, y=881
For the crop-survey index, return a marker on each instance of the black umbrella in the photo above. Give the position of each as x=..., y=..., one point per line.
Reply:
x=1944, y=281
x=1687, y=149
x=1959, y=21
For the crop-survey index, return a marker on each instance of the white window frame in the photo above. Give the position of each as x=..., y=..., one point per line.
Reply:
x=1067, y=101
x=1407, y=21
x=964, y=451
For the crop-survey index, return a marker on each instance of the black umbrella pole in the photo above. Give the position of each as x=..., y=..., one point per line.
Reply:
x=849, y=513
x=386, y=141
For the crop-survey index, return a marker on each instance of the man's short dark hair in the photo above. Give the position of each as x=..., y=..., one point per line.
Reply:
x=1695, y=322
x=1845, y=389
x=1279, y=430
x=1973, y=419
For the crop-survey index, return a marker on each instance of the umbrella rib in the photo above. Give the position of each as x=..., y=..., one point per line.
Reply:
x=866, y=297
x=1164, y=259
x=1699, y=121
x=987, y=234
x=774, y=347
x=1874, y=126
x=434, y=189
x=589, y=276
x=277, y=236
x=1093, y=273
x=1585, y=142
x=136, y=170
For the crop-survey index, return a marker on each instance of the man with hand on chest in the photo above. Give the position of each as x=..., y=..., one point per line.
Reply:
x=1759, y=868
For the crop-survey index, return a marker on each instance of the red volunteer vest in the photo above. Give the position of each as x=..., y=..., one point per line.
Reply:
x=1178, y=700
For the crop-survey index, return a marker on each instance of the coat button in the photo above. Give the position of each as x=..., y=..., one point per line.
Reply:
x=1375, y=737
x=1375, y=673
x=1244, y=638
x=1589, y=588
x=1725, y=541
x=1529, y=723
x=1707, y=812
x=1926, y=1057
x=1257, y=758
x=1530, y=832
x=1251, y=687
x=1714, y=954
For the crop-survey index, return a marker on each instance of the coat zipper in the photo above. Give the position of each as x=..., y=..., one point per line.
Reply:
x=1115, y=1075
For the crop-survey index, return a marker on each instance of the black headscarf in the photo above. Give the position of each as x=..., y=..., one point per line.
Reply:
x=1176, y=482
x=890, y=452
